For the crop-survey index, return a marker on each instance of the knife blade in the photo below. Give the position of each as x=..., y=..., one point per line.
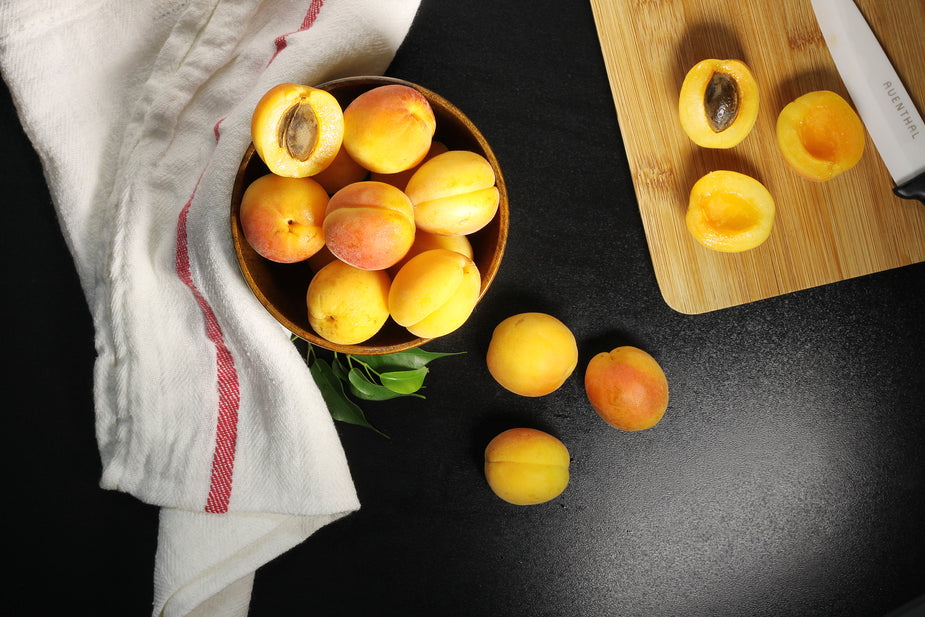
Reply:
x=881, y=99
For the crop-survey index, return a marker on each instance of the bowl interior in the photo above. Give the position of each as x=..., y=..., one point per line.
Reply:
x=281, y=288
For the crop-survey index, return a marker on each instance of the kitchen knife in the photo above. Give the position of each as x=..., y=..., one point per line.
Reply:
x=882, y=101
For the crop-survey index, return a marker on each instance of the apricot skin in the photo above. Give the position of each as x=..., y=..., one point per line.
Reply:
x=389, y=129
x=282, y=217
x=454, y=193
x=369, y=225
x=525, y=466
x=347, y=305
x=434, y=292
x=819, y=135
x=342, y=171
x=426, y=241
x=627, y=388
x=532, y=354
x=400, y=179
x=317, y=146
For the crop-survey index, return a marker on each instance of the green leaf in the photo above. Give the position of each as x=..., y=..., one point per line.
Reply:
x=404, y=382
x=362, y=387
x=401, y=360
x=332, y=391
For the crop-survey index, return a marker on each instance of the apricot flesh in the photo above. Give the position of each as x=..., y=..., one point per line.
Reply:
x=347, y=305
x=389, y=128
x=627, y=388
x=454, y=193
x=369, y=225
x=296, y=129
x=718, y=104
x=819, y=135
x=730, y=212
x=525, y=466
x=434, y=293
x=282, y=217
x=532, y=354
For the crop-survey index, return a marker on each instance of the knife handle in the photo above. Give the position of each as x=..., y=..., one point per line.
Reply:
x=912, y=189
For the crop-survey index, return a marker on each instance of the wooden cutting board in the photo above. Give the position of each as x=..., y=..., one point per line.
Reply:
x=823, y=232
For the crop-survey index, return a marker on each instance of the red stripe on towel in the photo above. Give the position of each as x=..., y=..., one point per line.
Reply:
x=313, y=10
x=229, y=395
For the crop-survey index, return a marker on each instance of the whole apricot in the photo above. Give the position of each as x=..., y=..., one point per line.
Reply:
x=525, y=466
x=389, y=128
x=819, y=135
x=347, y=305
x=296, y=129
x=532, y=354
x=627, y=388
x=369, y=225
x=426, y=241
x=454, y=193
x=282, y=217
x=435, y=292
x=400, y=179
x=340, y=172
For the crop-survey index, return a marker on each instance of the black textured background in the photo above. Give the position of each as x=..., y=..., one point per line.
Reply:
x=786, y=479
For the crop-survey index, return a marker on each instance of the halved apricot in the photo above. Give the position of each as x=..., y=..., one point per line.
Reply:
x=820, y=135
x=297, y=130
x=730, y=212
x=718, y=105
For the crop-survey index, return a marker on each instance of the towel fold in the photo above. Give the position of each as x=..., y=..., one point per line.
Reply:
x=140, y=114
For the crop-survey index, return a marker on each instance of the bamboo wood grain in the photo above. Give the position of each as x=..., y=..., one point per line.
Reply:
x=823, y=232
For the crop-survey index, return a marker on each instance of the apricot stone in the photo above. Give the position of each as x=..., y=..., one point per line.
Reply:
x=627, y=388
x=347, y=305
x=730, y=212
x=434, y=293
x=454, y=193
x=297, y=130
x=532, y=354
x=389, y=128
x=525, y=466
x=282, y=217
x=718, y=104
x=369, y=225
x=820, y=135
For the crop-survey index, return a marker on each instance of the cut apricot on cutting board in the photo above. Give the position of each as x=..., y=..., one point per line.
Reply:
x=820, y=135
x=730, y=212
x=718, y=105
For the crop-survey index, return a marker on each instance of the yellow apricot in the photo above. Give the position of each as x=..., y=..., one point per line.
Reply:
x=347, y=305
x=341, y=171
x=434, y=293
x=297, y=130
x=532, y=354
x=525, y=466
x=425, y=241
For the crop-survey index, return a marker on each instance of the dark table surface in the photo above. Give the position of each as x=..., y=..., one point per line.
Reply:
x=787, y=477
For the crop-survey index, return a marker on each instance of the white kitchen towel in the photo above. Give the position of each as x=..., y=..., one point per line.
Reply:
x=139, y=112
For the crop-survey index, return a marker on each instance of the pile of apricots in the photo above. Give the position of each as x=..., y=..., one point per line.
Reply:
x=379, y=209
x=818, y=134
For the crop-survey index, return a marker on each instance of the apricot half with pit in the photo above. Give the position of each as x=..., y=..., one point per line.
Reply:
x=820, y=135
x=718, y=104
x=297, y=130
x=730, y=212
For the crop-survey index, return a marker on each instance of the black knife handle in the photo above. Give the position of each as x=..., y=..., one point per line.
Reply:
x=912, y=189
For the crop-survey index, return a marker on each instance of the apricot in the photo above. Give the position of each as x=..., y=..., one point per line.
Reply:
x=435, y=292
x=389, y=128
x=297, y=130
x=532, y=354
x=730, y=212
x=425, y=241
x=369, y=225
x=820, y=135
x=525, y=466
x=627, y=388
x=400, y=179
x=341, y=171
x=282, y=217
x=454, y=193
x=347, y=305
x=718, y=104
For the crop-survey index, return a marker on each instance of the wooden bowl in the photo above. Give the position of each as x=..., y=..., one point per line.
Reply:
x=281, y=288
